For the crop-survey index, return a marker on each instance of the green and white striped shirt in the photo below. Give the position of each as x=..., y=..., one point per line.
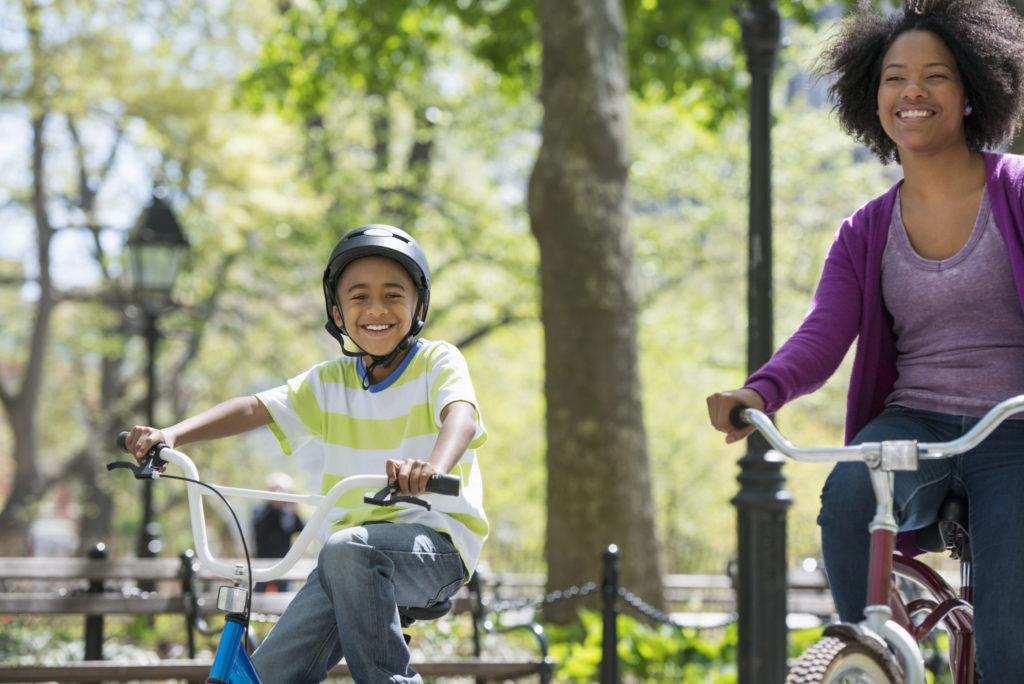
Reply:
x=398, y=418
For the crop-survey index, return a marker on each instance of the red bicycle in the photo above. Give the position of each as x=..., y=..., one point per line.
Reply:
x=907, y=599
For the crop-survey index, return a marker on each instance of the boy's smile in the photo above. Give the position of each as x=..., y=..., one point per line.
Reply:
x=377, y=298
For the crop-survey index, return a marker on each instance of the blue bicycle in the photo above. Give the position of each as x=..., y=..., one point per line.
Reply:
x=232, y=664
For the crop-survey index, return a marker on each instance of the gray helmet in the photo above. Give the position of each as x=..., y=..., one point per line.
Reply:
x=378, y=239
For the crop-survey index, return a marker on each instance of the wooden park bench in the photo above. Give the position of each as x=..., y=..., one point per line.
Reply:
x=98, y=587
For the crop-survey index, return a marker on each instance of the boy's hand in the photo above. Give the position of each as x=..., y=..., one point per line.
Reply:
x=411, y=474
x=141, y=439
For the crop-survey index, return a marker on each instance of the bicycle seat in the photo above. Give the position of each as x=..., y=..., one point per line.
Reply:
x=949, y=532
x=410, y=614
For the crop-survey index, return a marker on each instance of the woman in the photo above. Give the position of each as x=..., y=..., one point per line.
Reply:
x=930, y=277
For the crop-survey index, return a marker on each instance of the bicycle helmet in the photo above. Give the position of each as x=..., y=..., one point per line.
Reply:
x=377, y=239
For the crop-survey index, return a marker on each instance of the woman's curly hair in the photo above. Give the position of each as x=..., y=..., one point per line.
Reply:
x=986, y=38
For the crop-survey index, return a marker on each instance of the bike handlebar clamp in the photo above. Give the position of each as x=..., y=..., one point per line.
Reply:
x=899, y=454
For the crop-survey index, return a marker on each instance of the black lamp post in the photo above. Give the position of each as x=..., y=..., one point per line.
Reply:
x=762, y=501
x=157, y=249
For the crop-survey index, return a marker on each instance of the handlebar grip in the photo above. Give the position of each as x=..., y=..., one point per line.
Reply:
x=736, y=416
x=444, y=484
x=151, y=459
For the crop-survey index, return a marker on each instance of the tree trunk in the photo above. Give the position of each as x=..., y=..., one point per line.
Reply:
x=1017, y=144
x=27, y=484
x=599, y=489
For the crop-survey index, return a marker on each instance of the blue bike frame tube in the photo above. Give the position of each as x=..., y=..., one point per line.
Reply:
x=232, y=665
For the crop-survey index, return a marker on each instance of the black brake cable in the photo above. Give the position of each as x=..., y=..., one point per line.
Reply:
x=241, y=534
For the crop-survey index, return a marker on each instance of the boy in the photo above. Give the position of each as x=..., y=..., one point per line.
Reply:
x=398, y=404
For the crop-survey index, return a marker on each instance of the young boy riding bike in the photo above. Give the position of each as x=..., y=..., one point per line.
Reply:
x=397, y=404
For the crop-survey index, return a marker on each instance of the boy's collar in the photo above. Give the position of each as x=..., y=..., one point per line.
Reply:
x=394, y=375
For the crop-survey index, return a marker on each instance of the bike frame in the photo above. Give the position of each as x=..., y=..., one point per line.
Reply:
x=941, y=603
x=902, y=625
x=231, y=663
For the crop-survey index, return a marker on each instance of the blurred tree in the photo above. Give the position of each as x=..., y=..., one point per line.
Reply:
x=385, y=51
x=107, y=112
x=599, y=489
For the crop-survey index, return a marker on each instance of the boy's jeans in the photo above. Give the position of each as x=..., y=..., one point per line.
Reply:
x=991, y=476
x=348, y=606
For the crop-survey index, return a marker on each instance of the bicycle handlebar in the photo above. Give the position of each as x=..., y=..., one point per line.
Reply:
x=149, y=468
x=889, y=455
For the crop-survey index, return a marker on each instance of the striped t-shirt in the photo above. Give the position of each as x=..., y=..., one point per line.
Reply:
x=399, y=418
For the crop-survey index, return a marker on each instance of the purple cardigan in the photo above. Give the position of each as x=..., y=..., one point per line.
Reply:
x=848, y=304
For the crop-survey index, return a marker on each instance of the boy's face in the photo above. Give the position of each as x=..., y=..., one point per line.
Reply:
x=377, y=297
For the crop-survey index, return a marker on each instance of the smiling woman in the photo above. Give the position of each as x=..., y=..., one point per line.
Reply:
x=921, y=99
x=929, y=277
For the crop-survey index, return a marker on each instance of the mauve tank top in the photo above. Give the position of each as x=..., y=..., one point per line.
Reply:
x=959, y=323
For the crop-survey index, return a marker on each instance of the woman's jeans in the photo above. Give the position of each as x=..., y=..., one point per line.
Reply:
x=992, y=478
x=349, y=605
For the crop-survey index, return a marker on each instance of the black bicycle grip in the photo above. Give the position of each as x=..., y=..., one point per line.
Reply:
x=153, y=455
x=736, y=416
x=444, y=484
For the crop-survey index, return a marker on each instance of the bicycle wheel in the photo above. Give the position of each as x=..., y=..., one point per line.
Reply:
x=839, y=660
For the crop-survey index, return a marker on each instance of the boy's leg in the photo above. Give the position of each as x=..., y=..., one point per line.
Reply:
x=848, y=503
x=993, y=475
x=349, y=605
x=303, y=646
x=366, y=573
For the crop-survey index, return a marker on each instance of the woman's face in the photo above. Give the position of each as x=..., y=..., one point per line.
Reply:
x=921, y=97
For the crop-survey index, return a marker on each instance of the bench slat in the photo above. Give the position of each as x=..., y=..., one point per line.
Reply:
x=85, y=568
x=54, y=569
x=90, y=604
x=153, y=604
x=111, y=671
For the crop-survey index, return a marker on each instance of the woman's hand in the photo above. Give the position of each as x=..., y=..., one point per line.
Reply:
x=720, y=404
x=411, y=474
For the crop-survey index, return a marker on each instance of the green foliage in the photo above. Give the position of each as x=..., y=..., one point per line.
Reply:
x=263, y=200
x=674, y=50
x=646, y=654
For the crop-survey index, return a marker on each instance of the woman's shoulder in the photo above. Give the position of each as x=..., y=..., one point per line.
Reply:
x=1005, y=167
x=872, y=217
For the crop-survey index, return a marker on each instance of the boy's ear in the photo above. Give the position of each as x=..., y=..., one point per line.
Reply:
x=338, y=320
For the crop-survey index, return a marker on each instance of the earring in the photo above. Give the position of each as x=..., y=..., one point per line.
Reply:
x=877, y=112
x=968, y=109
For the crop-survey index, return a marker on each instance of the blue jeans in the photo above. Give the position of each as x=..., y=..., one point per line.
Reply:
x=349, y=605
x=991, y=476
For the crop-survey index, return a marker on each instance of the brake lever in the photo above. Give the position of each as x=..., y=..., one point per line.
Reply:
x=147, y=469
x=142, y=471
x=387, y=497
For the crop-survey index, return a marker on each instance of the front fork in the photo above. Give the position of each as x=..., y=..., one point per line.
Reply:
x=231, y=664
x=878, y=613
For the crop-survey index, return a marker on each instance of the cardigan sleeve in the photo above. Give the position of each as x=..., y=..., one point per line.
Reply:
x=812, y=354
x=847, y=303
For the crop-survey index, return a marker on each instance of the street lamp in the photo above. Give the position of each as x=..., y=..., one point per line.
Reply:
x=762, y=501
x=156, y=250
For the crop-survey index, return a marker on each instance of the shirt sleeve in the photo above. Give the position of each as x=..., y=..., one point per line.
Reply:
x=451, y=383
x=294, y=408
